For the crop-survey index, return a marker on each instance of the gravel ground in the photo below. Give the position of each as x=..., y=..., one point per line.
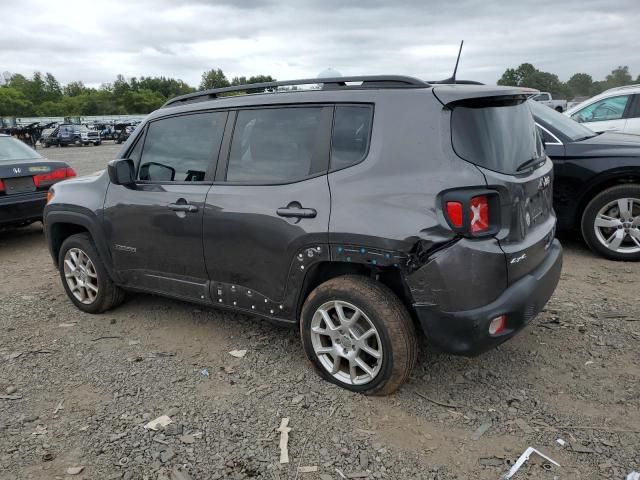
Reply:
x=76, y=389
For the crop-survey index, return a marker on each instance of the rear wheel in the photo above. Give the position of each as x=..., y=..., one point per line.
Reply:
x=84, y=276
x=358, y=335
x=611, y=223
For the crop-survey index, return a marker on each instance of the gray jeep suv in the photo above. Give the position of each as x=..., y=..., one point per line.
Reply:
x=360, y=210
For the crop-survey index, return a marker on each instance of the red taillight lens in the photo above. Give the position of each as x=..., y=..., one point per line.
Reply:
x=479, y=214
x=53, y=177
x=454, y=212
x=498, y=325
x=1, y=186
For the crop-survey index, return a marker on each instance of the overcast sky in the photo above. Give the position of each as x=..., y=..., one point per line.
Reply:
x=94, y=41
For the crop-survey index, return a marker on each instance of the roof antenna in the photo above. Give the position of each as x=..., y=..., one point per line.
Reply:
x=452, y=79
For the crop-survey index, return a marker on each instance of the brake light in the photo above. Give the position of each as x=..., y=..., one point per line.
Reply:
x=498, y=325
x=479, y=214
x=472, y=212
x=46, y=179
x=1, y=186
x=454, y=212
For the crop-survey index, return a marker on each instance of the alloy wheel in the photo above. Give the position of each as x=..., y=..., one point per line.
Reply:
x=617, y=225
x=81, y=276
x=346, y=342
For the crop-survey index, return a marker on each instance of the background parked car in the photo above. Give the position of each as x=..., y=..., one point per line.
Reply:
x=545, y=98
x=597, y=183
x=25, y=178
x=615, y=110
x=72, y=134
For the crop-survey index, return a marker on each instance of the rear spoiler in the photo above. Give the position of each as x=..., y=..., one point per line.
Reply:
x=448, y=93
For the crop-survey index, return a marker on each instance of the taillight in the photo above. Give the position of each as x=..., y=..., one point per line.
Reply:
x=479, y=214
x=1, y=185
x=46, y=179
x=454, y=212
x=472, y=212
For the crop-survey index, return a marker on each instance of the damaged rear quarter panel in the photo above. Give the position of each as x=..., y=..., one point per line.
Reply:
x=390, y=201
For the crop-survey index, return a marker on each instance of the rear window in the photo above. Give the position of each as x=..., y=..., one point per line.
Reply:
x=498, y=134
x=12, y=149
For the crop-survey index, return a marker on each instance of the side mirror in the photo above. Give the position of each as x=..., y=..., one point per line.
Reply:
x=121, y=172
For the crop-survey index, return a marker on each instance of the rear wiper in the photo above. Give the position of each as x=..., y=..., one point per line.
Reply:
x=529, y=163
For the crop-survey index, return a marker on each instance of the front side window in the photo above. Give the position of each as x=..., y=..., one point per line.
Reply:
x=602, y=110
x=350, y=137
x=180, y=149
x=277, y=145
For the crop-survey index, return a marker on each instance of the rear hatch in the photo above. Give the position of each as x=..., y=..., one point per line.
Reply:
x=493, y=128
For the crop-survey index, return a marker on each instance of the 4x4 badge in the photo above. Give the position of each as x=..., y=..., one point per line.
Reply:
x=544, y=182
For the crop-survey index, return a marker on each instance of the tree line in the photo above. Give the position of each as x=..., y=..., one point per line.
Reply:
x=579, y=85
x=44, y=96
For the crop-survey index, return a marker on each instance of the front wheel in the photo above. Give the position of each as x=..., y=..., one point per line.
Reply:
x=611, y=223
x=84, y=276
x=358, y=335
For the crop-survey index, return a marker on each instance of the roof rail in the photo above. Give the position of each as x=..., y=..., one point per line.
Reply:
x=450, y=81
x=370, y=81
x=623, y=87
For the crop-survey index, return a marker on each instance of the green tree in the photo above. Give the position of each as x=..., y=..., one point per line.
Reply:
x=213, y=79
x=526, y=75
x=619, y=77
x=14, y=103
x=73, y=89
x=580, y=84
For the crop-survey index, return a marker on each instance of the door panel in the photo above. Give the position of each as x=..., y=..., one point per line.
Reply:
x=155, y=228
x=246, y=242
x=272, y=201
x=154, y=245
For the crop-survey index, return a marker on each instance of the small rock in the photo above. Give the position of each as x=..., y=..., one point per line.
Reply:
x=167, y=455
x=188, y=439
x=11, y=390
x=74, y=470
x=297, y=399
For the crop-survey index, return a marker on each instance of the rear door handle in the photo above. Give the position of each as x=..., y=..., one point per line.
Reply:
x=182, y=207
x=296, y=212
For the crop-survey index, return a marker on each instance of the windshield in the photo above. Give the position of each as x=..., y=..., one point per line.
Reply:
x=569, y=128
x=12, y=149
x=496, y=133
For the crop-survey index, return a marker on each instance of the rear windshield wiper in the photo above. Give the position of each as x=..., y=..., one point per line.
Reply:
x=529, y=163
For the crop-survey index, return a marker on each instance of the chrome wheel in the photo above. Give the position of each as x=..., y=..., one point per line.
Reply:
x=81, y=276
x=617, y=225
x=346, y=343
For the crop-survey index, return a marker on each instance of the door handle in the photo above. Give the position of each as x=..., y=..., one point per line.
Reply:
x=296, y=212
x=182, y=207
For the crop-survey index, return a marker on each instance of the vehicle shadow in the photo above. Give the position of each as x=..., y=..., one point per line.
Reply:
x=24, y=237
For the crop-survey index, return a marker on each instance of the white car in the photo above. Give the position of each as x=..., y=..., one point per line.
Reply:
x=614, y=110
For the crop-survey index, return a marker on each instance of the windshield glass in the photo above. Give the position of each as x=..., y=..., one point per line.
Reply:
x=496, y=133
x=560, y=122
x=12, y=149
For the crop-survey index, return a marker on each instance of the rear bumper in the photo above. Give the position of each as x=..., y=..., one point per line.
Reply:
x=467, y=332
x=22, y=208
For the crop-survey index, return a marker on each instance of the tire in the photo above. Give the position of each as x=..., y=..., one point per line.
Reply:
x=108, y=294
x=559, y=109
x=380, y=308
x=97, y=143
x=604, y=207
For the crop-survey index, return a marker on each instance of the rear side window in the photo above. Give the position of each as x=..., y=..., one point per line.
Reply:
x=350, y=137
x=278, y=145
x=498, y=134
x=180, y=149
x=607, y=109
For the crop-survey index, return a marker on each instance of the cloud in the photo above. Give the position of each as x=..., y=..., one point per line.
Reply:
x=287, y=39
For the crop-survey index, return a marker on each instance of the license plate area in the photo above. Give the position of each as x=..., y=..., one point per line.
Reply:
x=19, y=185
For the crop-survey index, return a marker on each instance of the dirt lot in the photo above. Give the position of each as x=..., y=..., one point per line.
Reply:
x=77, y=389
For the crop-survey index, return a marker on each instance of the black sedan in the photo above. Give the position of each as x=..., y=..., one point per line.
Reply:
x=25, y=178
x=597, y=183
